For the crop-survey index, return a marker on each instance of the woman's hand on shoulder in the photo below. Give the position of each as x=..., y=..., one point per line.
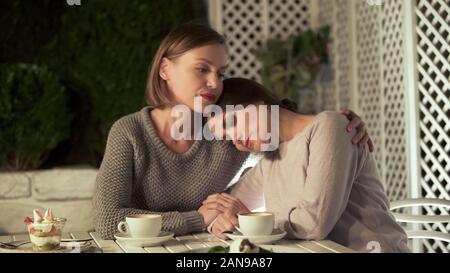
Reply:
x=362, y=135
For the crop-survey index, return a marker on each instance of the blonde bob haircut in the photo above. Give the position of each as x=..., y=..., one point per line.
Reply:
x=180, y=40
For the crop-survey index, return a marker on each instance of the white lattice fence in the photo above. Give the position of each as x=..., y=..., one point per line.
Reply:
x=287, y=17
x=246, y=24
x=243, y=25
x=433, y=50
x=342, y=55
x=329, y=93
x=370, y=95
x=393, y=85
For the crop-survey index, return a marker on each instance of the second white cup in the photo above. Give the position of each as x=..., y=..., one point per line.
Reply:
x=141, y=225
x=256, y=223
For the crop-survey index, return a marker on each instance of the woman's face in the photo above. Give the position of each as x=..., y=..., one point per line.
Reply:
x=198, y=72
x=248, y=129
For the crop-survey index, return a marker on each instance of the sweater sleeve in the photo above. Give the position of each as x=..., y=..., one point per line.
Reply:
x=332, y=169
x=112, y=198
x=249, y=188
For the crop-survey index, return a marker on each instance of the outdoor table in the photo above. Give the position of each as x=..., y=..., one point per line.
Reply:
x=185, y=243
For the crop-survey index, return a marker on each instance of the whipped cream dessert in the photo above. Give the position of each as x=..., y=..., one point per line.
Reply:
x=45, y=231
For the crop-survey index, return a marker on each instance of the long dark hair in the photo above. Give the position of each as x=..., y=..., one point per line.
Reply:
x=245, y=92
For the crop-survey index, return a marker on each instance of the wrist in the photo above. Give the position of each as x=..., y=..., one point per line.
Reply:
x=194, y=220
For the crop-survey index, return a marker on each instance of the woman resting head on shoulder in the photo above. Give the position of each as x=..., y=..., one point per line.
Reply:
x=317, y=184
x=145, y=170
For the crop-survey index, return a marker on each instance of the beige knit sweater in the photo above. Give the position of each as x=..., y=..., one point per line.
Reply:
x=140, y=175
x=325, y=187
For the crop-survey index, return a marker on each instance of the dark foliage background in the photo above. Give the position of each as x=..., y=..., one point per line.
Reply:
x=99, y=52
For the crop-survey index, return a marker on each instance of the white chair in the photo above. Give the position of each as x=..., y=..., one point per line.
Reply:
x=420, y=219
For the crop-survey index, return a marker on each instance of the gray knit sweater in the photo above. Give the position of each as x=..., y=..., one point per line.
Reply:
x=140, y=175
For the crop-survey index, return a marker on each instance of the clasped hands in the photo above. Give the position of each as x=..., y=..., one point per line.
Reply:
x=222, y=209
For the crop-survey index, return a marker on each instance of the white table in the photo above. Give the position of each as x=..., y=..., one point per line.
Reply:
x=187, y=242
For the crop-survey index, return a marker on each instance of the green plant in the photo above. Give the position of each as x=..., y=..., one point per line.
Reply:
x=26, y=27
x=34, y=116
x=293, y=63
x=102, y=52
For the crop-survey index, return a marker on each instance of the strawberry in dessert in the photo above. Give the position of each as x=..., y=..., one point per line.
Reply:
x=45, y=231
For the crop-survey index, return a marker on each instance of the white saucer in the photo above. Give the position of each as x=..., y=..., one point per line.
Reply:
x=263, y=239
x=164, y=236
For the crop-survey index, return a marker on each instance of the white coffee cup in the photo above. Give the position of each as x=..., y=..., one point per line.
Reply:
x=141, y=225
x=256, y=223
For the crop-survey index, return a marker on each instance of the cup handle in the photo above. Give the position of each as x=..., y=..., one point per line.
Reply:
x=237, y=228
x=123, y=227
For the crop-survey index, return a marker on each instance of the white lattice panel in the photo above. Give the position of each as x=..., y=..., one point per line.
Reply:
x=287, y=17
x=393, y=84
x=370, y=93
x=343, y=47
x=248, y=23
x=433, y=50
x=326, y=15
x=243, y=26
